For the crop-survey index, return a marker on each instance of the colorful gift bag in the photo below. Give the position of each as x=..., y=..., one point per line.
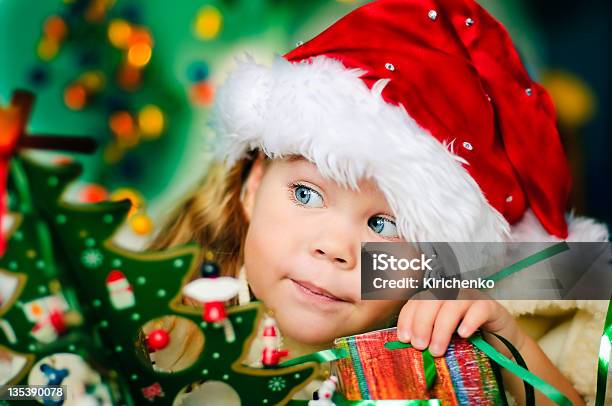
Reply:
x=372, y=370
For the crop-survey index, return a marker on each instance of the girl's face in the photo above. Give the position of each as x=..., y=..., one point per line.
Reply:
x=302, y=249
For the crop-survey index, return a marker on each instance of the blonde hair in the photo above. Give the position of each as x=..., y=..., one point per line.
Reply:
x=213, y=217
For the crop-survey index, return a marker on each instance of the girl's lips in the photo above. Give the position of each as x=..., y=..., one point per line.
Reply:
x=315, y=291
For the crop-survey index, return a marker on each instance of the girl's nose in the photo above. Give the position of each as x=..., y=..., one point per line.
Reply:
x=338, y=245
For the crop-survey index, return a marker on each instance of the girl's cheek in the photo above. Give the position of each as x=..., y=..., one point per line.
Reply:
x=260, y=266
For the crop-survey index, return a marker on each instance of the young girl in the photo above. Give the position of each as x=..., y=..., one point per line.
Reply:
x=403, y=121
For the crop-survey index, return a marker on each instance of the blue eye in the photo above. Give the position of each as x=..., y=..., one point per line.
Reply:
x=383, y=226
x=307, y=196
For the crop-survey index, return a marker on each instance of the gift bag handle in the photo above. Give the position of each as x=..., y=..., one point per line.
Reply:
x=519, y=369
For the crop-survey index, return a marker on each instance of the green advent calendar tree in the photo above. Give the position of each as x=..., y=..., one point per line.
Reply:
x=75, y=293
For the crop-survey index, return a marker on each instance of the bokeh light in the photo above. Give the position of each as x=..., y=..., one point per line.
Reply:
x=75, y=96
x=121, y=124
x=139, y=35
x=574, y=99
x=141, y=223
x=151, y=121
x=208, y=23
x=202, y=94
x=119, y=32
x=139, y=54
x=55, y=28
x=47, y=48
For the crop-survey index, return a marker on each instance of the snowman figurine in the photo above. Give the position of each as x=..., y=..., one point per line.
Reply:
x=325, y=393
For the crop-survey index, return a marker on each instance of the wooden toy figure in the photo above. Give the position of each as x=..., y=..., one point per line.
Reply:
x=271, y=353
x=212, y=293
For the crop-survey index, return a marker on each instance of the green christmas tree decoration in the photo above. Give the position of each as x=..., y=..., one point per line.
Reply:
x=39, y=313
x=40, y=318
x=118, y=291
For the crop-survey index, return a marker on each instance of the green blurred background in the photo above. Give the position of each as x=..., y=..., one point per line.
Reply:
x=140, y=75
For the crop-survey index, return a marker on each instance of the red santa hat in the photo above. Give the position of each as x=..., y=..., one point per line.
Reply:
x=430, y=100
x=116, y=277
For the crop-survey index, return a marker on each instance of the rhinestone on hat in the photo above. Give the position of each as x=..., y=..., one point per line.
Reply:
x=299, y=43
x=389, y=66
x=509, y=199
x=529, y=91
x=433, y=14
x=468, y=146
x=469, y=22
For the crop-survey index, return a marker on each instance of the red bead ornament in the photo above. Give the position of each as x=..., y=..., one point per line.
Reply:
x=158, y=339
x=214, y=312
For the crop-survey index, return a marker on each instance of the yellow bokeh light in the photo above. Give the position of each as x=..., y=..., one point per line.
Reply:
x=574, y=100
x=141, y=224
x=119, y=32
x=139, y=54
x=47, y=48
x=151, y=121
x=208, y=23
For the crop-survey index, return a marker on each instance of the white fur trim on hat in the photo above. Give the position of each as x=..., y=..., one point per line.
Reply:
x=579, y=229
x=326, y=113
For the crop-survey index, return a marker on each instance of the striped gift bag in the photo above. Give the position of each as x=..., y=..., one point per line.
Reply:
x=464, y=376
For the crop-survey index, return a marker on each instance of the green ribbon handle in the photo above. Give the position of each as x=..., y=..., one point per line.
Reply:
x=529, y=394
x=333, y=354
x=550, y=391
x=530, y=260
x=605, y=347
